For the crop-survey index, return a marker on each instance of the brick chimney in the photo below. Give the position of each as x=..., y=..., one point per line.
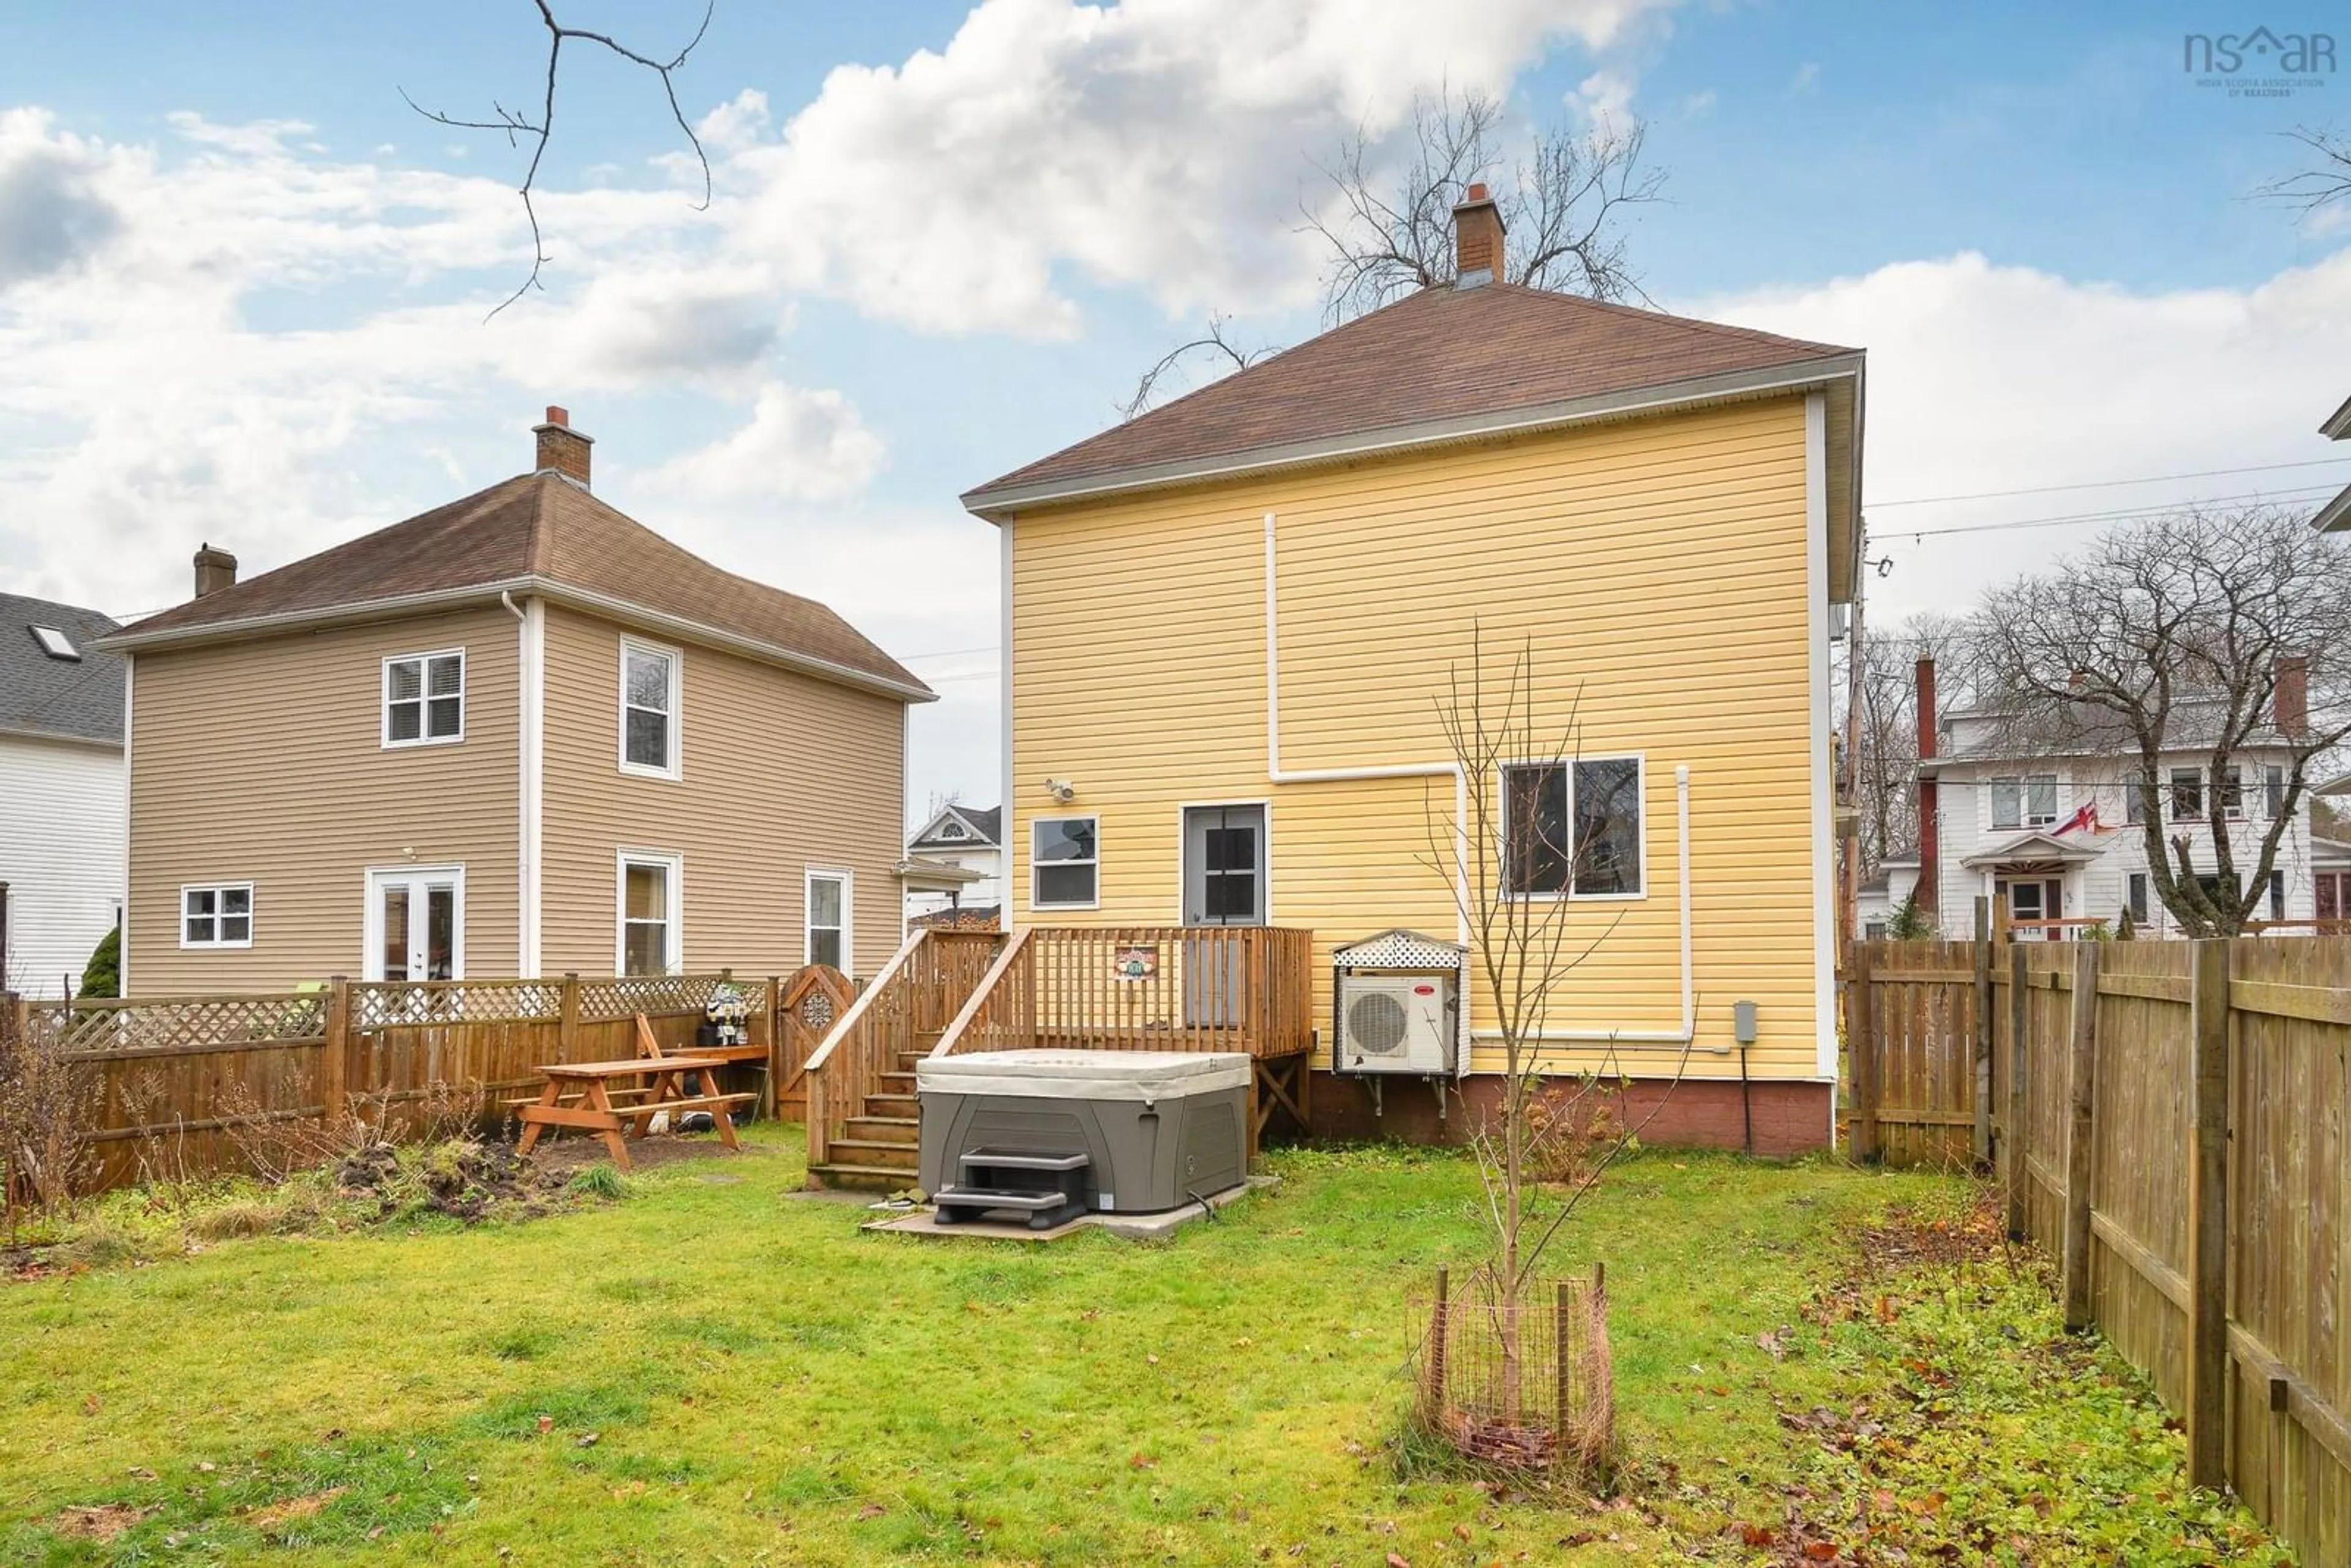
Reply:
x=1477, y=240
x=215, y=569
x=2290, y=695
x=1929, y=893
x=561, y=449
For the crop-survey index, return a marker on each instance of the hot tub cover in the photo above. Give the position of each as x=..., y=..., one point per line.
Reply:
x=1149, y=1076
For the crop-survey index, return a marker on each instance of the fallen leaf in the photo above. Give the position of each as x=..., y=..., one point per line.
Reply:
x=277, y=1513
x=587, y=1439
x=547, y=1423
x=1398, y=1559
x=872, y=1511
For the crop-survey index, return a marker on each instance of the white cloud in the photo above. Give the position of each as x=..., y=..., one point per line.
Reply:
x=1159, y=145
x=2007, y=378
x=1807, y=77
x=1603, y=97
x=737, y=123
x=799, y=446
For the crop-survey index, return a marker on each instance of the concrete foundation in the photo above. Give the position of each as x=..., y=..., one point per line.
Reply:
x=1788, y=1118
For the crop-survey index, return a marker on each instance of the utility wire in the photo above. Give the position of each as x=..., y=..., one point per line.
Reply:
x=2309, y=492
x=2102, y=484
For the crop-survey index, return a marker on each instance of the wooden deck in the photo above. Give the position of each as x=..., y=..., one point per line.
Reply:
x=1161, y=988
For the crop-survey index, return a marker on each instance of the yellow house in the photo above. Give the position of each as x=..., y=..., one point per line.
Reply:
x=1231, y=622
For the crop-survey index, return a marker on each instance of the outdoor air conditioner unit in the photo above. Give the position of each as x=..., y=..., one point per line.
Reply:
x=1399, y=1023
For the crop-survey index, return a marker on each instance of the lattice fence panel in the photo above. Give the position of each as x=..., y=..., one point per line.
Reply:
x=178, y=1023
x=377, y=1005
x=621, y=998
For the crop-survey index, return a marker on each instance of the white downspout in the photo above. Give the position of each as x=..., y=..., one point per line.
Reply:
x=1453, y=770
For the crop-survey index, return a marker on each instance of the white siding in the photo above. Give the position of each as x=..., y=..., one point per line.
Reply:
x=60, y=854
x=2099, y=886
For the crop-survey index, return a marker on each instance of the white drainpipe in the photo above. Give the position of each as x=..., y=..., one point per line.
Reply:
x=1684, y=1036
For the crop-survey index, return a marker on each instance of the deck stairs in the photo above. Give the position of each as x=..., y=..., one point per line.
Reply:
x=883, y=1140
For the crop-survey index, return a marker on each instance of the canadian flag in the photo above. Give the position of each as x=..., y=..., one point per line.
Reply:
x=2085, y=817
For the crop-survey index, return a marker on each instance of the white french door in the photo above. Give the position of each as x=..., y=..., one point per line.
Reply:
x=416, y=924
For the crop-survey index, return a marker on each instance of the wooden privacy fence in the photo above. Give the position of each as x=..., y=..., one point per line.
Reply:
x=2168, y=1118
x=193, y=1074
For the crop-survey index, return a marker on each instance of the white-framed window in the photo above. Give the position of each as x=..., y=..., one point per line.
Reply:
x=424, y=699
x=827, y=906
x=2135, y=897
x=1064, y=862
x=2274, y=789
x=2133, y=797
x=649, y=910
x=1573, y=829
x=217, y=914
x=2187, y=794
x=652, y=678
x=2231, y=783
x=2026, y=802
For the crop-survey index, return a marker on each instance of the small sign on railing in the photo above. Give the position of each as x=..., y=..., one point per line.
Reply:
x=1137, y=962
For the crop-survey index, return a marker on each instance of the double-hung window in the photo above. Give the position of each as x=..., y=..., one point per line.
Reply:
x=649, y=709
x=828, y=918
x=650, y=894
x=2187, y=794
x=1064, y=862
x=2029, y=801
x=1572, y=829
x=2231, y=783
x=2135, y=897
x=2274, y=789
x=217, y=915
x=424, y=699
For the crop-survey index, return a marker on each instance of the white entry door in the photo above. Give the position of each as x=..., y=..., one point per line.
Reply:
x=416, y=924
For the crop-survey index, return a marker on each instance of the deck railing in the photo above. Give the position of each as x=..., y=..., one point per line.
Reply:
x=1155, y=987
x=900, y=1013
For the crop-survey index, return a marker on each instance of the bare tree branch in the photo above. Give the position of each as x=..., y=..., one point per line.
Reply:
x=1215, y=344
x=2169, y=636
x=2326, y=182
x=514, y=125
x=1563, y=205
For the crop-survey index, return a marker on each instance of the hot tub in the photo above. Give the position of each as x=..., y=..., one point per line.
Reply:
x=1050, y=1134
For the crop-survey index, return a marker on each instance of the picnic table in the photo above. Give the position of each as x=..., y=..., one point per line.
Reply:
x=618, y=1099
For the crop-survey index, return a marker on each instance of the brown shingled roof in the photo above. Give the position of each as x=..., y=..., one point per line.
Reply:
x=542, y=530
x=1443, y=353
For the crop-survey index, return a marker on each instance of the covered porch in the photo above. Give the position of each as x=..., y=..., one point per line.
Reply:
x=2035, y=885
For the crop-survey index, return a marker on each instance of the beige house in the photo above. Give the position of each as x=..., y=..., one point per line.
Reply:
x=520, y=734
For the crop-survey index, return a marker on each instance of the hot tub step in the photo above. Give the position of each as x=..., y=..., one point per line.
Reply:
x=1023, y=1160
x=955, y=1204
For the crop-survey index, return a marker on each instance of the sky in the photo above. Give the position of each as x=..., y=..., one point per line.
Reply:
x=245, y=288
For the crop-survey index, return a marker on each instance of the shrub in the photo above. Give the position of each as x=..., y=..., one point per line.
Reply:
x=103, y=975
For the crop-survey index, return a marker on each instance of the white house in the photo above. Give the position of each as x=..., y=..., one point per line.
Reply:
x=955, y=866
x=61, y=791
x=2057, y=834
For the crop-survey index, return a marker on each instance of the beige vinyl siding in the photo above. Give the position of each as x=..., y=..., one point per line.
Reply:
x=263, y=762
x=781, y=772
x=1655, y=565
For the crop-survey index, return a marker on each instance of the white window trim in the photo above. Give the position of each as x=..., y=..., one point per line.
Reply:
x=371, y=916
x=424, y=699
x=1640, y=762
x=1034, y=863
x=2234, y=773
x=848, y=880
x=674, y=955
x=675, y=730
x=2027, y=817
x=215, y=889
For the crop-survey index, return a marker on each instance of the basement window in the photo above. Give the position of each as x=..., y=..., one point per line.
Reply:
x=57, y=644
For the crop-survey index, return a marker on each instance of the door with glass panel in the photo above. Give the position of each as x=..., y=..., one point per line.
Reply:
x=1224, y=885
x=417, y=924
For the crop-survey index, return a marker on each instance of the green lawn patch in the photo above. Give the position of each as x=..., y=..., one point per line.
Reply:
x=726, y=1372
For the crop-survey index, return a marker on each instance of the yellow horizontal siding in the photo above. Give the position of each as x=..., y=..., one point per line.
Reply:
x=781, y=772
x=264, y=762
x=1656, y=569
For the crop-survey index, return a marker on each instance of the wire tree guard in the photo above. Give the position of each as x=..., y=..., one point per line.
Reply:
x=1536, y=1394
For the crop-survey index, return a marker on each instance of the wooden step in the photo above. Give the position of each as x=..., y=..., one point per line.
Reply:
x=864, y=1179
x=904, y=1106
x=909, y=1059
x=906, y=1130
x=899, y=1083
x=901, y=1157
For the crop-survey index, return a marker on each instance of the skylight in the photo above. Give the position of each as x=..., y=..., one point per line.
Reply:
x=55, y=643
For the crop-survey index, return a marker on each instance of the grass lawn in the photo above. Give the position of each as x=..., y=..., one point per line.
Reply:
x=713, y=1370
